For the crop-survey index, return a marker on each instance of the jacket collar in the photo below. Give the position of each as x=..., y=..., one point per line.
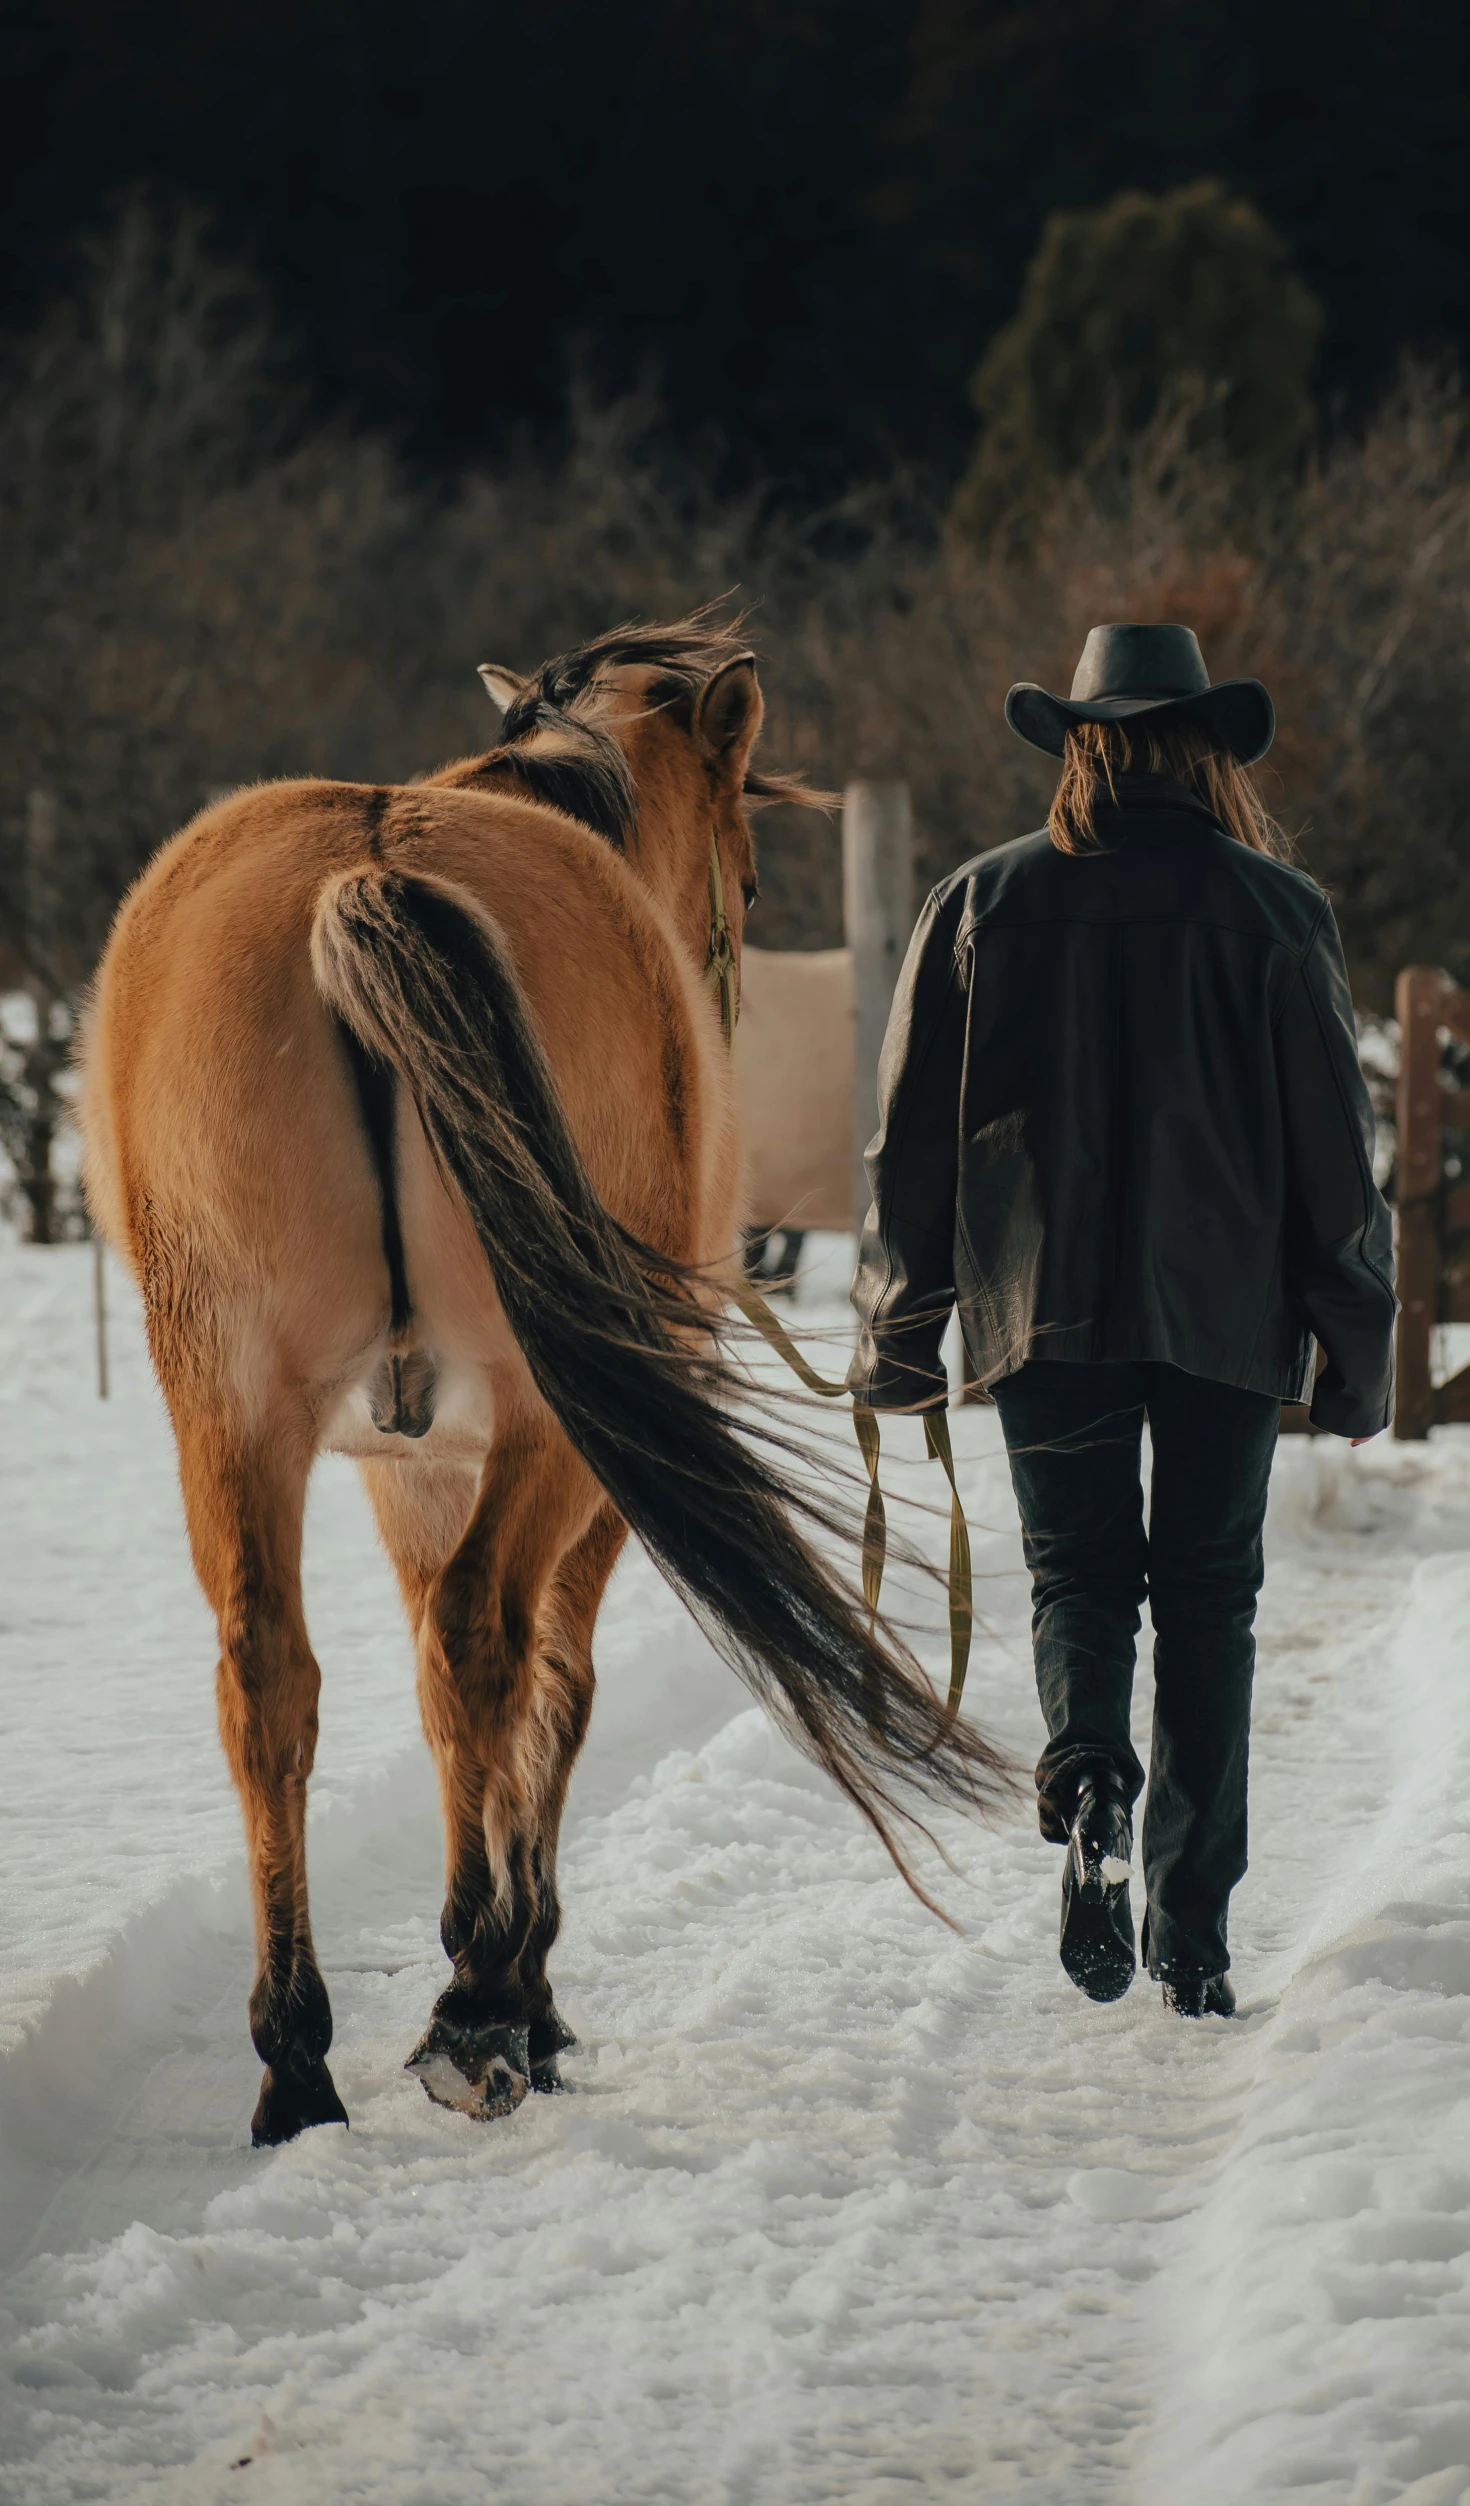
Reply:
x=1140, y=794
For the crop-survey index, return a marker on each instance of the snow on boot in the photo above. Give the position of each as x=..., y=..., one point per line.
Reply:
x=1097, y=1919
x=1199, y=1996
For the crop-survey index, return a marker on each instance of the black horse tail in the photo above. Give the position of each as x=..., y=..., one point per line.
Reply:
x=622, y=1351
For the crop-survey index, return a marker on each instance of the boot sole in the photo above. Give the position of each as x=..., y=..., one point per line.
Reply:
x=1097, y=1933
x=1092, y=1956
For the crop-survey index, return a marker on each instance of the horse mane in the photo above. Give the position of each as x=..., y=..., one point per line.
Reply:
x=576, y=765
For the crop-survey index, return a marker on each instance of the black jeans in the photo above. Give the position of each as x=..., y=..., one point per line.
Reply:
x=1073, y=1434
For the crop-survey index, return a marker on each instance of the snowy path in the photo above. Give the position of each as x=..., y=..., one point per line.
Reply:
x=843, y=2206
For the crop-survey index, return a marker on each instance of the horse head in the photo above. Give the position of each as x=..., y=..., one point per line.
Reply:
x=646, y=734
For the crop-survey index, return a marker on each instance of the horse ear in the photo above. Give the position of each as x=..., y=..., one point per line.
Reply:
x=502, y=686
x=730, y=710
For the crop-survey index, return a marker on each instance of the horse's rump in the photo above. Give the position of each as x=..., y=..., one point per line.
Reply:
x=229, y=1152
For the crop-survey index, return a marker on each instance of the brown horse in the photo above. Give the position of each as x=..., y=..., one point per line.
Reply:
x=411, y=1112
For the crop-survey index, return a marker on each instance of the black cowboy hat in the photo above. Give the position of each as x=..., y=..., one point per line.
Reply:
x=1159, y=671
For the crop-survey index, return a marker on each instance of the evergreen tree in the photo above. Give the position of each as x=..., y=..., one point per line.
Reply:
x=1187, y=301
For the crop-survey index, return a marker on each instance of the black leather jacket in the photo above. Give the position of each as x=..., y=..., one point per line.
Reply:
x=1122, y=1117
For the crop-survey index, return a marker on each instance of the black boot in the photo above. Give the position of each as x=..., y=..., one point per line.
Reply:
x=1199, y=1996
x=1097, y=1919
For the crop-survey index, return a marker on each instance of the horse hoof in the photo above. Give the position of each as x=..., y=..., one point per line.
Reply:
x=548, y=2035
x=291, y=2100
x=483, y=2071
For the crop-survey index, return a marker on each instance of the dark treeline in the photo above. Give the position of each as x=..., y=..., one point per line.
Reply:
x=196, y=591
x=800, y=224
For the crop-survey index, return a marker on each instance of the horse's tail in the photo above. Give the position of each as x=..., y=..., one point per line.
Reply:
x=421, y=977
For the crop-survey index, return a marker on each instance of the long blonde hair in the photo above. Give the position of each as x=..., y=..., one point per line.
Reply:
x=1096, y=753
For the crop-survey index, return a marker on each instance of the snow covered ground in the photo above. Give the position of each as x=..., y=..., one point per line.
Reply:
x=841, y=2206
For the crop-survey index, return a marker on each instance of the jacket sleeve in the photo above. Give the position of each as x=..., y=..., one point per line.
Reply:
x=1339, y=1239
x=905, y=1287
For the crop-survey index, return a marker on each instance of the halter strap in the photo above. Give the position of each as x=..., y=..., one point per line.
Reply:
x=720, y=968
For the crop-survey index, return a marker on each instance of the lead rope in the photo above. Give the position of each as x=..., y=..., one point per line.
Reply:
x=865, y=1425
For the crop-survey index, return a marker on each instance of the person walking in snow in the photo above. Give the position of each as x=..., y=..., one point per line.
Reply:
x=1123, y=1126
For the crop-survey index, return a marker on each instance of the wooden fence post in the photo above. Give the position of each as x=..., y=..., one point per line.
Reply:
x=878, y=917
x=1418, y=1001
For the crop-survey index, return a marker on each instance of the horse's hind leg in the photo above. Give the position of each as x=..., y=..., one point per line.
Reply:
x=244, y=1494
x=563, y=1704
x=482, y=1692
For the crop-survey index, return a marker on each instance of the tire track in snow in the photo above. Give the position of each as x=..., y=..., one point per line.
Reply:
x=842, y=2207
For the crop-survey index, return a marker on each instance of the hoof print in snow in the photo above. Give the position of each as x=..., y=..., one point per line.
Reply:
x=482, y=2071
x=291, y=2101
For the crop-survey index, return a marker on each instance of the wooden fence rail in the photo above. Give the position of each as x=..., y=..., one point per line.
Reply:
x=1433, y=1208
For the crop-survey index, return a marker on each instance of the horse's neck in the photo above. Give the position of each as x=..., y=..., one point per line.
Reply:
x=669, y=852
x=673, y=861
